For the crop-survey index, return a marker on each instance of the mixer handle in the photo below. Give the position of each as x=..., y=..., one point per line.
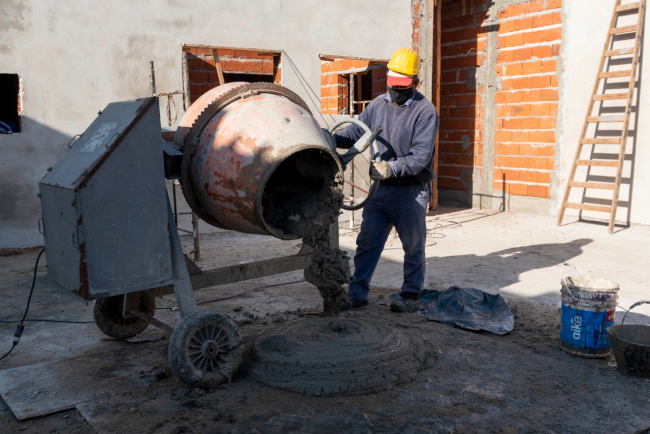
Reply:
x=354, y=151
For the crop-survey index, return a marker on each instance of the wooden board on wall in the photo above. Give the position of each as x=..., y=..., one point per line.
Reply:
x=436, y=70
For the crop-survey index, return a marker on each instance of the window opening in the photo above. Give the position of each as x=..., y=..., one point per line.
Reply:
x=369, y=77
x=10, y=106
x=207, y=65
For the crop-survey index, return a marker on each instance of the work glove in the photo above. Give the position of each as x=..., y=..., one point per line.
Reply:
x=380, y=171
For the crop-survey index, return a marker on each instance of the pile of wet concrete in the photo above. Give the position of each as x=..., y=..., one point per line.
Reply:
x=336, y=356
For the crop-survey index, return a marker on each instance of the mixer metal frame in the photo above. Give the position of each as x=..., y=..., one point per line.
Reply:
x=205, y=348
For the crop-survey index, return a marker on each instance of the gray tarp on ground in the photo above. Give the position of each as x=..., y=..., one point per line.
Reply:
x=467, y=308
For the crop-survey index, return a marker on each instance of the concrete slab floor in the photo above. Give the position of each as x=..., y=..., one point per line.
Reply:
x=520, y=255
x=521, y=382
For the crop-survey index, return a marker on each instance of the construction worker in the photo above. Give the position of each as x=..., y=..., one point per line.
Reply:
x=405, y=172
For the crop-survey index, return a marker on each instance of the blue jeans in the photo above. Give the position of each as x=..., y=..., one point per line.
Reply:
x=405, y=207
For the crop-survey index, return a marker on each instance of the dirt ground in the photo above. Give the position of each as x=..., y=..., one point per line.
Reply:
x=518, y=383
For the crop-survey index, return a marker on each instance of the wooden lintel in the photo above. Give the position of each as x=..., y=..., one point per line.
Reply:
x=215, y=47
x=332, y=57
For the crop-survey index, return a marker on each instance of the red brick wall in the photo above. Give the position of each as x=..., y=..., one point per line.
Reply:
x=461, y=108
x=529, y=40
x=203, y=74
x=528, y=43
x=334, y=89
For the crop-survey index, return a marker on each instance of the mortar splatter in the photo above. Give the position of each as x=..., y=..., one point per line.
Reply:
x=306, y=204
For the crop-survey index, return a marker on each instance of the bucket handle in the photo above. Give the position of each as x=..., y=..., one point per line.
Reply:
x=564, y=278
x=638, y=303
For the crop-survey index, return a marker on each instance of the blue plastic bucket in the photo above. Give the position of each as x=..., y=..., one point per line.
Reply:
x=588, y=309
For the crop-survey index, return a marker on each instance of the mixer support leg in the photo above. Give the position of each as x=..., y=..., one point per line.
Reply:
x=182, y=283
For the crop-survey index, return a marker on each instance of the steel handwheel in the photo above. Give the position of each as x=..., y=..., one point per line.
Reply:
x=204, y=350
x=358, y=148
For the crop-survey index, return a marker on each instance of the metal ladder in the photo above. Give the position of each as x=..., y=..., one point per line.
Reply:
x=624, y=119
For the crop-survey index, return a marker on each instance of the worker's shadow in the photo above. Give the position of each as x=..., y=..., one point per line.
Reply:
x=497, y=270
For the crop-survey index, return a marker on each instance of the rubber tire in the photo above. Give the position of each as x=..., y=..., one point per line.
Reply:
x=106, y=313
x=179, y=357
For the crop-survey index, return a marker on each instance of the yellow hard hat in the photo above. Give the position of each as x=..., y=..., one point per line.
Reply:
x=405, y=61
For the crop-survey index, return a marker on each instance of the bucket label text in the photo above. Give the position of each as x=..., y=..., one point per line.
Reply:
x=586, y=329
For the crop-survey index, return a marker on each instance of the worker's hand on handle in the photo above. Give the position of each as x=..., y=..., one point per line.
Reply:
x=380, y=170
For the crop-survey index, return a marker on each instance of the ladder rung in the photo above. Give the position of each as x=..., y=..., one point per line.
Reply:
x=629, y=7
x=601, y=141
x=593, y=119
x=586, y=207
x=598, y=185
x=611, y=96
x=620, y=52
x=600, y=163
x=615, y=74
x=619, y=30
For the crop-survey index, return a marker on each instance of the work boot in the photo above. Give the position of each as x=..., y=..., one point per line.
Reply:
x=353, y=303
x=405, y=302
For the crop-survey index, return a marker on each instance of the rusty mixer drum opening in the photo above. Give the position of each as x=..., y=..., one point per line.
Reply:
x=298, y=192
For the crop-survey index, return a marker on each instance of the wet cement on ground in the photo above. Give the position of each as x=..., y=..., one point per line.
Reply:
x=336, y=356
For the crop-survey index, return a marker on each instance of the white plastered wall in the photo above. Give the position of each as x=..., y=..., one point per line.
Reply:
x=585, y=26
x=76, y=56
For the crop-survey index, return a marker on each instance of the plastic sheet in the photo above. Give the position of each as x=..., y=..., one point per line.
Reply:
x=467, y=308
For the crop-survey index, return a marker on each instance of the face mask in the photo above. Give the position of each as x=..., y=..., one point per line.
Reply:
x=400, y=96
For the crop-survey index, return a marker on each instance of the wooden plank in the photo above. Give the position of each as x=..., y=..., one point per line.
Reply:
x=602, y=119
x=628, y=7
x=587, y=207
x=601, y=141
x=610, y=96
x=336, y=56
x=436, y=21
x=615, y=74
x=214, y=47
x=599, y=163
x=217, y=64
x=620, y=52
x=597, y=185
x=619, y=30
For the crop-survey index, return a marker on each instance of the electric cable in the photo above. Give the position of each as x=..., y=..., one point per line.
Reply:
x=20, y=327
x=301, y=79
x=48, y=320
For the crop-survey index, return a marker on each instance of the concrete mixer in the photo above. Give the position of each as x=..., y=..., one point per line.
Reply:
x=250, y=158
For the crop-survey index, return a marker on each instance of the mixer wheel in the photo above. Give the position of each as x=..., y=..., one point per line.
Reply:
x=205, y=349
x=109, y=319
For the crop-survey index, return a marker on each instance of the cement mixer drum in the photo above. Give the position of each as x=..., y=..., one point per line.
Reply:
x=256, y=161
